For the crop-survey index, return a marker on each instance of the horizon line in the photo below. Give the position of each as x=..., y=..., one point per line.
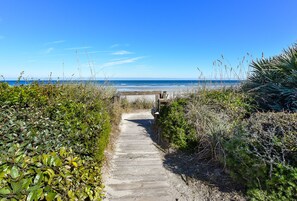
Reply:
x=124, y=79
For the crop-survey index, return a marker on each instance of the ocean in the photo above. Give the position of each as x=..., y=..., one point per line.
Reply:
x=144, y=85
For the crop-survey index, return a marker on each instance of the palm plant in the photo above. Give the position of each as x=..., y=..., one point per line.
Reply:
x=273, y=82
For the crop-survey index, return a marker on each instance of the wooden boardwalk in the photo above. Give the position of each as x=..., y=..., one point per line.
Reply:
x=137, y=171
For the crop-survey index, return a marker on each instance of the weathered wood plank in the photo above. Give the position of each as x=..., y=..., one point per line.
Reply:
x=138, y=172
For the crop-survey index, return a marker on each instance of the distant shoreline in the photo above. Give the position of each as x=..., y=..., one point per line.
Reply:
x=141, y=85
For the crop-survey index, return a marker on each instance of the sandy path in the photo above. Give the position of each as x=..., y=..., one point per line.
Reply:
x=137, y=171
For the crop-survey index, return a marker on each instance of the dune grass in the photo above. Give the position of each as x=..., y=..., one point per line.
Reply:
x=250, y=130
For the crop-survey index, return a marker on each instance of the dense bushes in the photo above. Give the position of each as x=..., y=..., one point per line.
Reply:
x=175, y=127
x=252, y=132
x=199, y=121
x=52, y=139
x=259, y=149
x=263, y=155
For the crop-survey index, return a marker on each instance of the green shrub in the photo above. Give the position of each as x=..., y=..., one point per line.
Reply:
x=175, y=127
x=56, y=175
x=233, y=102
x=262, y=154
x=258, y=149
x=273, y=82
x=52, y=141
x=281, y=186
x=202, y=120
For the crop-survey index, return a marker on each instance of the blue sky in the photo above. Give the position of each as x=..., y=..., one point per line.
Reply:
x=139, y=38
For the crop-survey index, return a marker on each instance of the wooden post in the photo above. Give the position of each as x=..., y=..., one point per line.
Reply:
x=156, y=100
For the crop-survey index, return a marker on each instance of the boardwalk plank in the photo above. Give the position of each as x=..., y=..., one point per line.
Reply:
x=138, y=172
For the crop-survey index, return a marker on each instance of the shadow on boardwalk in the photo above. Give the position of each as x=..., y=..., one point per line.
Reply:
x=207, y=177
x=189, y=167
x=146, y=124
x=197, y=172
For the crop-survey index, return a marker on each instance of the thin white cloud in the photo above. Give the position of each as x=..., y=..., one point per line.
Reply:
x=78, y=48
x=120, y=62
x=54, y=42
x=114, y=45
x=122, y=52
x=120, y=45
x=93, y=52
x=49, y=50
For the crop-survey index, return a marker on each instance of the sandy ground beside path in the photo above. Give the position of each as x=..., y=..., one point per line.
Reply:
x=140, y=170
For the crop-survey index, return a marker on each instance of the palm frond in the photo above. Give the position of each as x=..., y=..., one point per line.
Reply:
x=273, y=81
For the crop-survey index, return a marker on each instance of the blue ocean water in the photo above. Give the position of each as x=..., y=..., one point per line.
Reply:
x=143, y=85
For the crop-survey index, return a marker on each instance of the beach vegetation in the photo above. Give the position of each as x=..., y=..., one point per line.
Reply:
x=262, y=155
x=273, y=81
x=175, y=128
x=52, y=140
x=250, y=130
x=136, y=104
x=200, y=121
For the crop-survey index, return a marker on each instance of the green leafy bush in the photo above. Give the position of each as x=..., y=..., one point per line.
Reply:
x=262, y=154
x=52, y=139
x=258, y=149
x=201, y=121
x=273, y=82
x=50, y=176
x=175, y=127
x=282, y=185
